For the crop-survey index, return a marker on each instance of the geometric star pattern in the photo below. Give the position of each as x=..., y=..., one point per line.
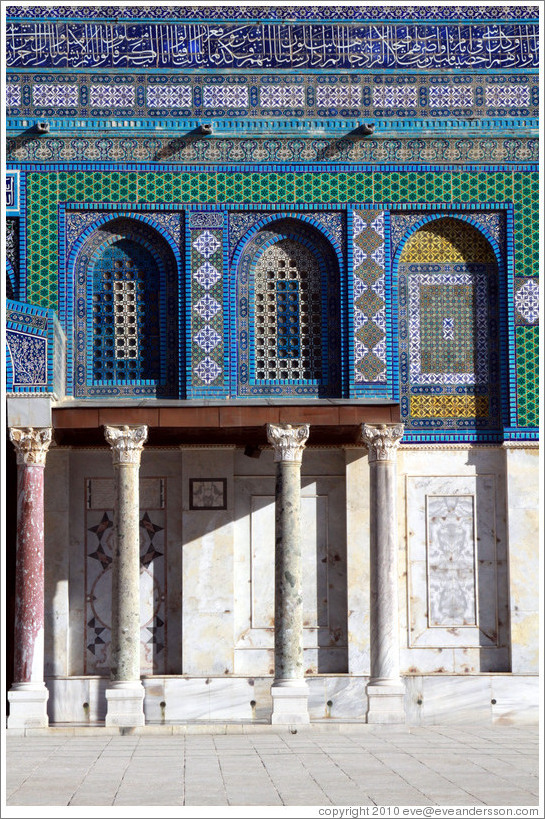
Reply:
x=527, y=300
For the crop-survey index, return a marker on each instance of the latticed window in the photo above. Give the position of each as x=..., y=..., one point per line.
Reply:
x=126, y=286
x=288, y=313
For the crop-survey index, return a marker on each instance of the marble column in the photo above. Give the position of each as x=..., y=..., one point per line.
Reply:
x=28, y=695
x=289, y=690
x=125, y=694
x=385, y=690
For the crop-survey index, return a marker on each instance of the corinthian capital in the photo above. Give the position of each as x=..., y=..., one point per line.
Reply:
x=288, y=441
x=31, y=444
x=127, y=443
x=382, y=441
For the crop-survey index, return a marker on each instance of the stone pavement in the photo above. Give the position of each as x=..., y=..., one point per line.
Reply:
x=346, y=765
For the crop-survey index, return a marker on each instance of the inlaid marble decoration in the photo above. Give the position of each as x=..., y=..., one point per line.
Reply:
x=208, y=493
x=99, y=545
x=452, y=558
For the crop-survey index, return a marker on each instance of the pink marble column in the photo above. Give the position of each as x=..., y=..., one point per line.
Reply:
x=28, y=694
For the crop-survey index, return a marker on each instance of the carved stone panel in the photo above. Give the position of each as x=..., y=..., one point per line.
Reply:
x=452, y=561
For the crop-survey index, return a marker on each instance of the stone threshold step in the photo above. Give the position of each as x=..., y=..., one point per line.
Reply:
x=192, y=728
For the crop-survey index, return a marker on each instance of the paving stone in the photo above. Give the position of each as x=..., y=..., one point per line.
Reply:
x=424, y=766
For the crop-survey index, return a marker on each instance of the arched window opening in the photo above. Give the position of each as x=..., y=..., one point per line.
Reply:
x=288, y=313
x=126, y=326
x=126, y=313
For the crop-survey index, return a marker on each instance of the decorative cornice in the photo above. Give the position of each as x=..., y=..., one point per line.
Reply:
x=31, y=444
x=382, y=441
x=126, y=442
x=520, y=445
x=288, y=441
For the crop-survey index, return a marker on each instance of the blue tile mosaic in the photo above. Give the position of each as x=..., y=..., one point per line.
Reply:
x=289, y=12
x=325, y=95
x=269, y=45
x=35, y=350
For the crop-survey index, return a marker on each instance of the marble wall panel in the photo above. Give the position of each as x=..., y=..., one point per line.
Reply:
x=413, y=699
x=56, y=564
x=249, y=572
x=208, y=570
x=80, y=700
x=447, y=517
x=525, y=643
x=357, y=543
x=194, y=699
x=322, y=462
x=262, y=698
x=429, y=699
x=427, y=660
x=516, y=698
x=466, y=486
x=450, y=700
x=478, y=660
x=522, y=466
x=334, y=697
x=255, y=660
x=167, y=464
x=84, y=464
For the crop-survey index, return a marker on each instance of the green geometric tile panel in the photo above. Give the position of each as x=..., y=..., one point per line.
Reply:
x=45, y=190
x=526, y=206
x=527, y=346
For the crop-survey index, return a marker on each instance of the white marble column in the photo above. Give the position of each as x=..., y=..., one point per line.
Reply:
x=28, y=694
x=385, y=690
x=125, y=694
x=289, y=690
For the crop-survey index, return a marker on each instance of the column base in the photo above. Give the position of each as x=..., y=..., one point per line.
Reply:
x=386, y=704
x=27, y=706
x=125, y=704
x=290, y=703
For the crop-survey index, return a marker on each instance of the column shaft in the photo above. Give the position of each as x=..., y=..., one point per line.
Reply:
x=125, y=651
x=384, y=596
x=28, y=695
x=288, y=609
x=385, y=691
x=289, y=690
x=29, y=575
x=125, y=694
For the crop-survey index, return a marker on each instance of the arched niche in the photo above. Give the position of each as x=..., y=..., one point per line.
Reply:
x=448, y=328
